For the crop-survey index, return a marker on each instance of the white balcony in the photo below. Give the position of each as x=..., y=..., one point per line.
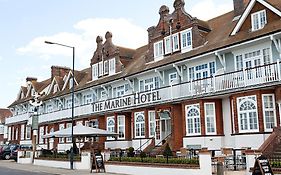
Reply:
x=17, y=118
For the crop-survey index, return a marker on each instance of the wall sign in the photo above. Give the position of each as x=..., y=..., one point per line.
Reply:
x=262, y=167
x=127, y=101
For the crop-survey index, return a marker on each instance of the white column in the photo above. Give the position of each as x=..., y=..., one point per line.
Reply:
x=205, y=162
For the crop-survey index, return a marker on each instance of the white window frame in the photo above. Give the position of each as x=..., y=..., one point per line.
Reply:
x=100, y=68
x=112, y=66
x=22, y=130
x=210, y=116
x=158, y=50
x=240, y=100
x=27, y=132
x=152, y=123
x=185, y=47
x=168, y=45
x=273, y=109
x=259, y=21
x=121, y=126
x=172, y=79
x=88, y=98
x=95, y=71
x=110, y=127
x=140, y=125
x=61, y=127
x=106, y=67
x=41, y=133
x=151, y=85
x=176, y=42
x=187, y=109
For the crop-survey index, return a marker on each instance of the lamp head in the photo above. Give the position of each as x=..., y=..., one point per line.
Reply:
x=48, y=42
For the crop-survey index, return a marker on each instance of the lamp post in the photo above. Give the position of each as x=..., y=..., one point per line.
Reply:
x=72, y=99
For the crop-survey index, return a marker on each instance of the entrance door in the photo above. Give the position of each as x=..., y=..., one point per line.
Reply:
x=165, y=128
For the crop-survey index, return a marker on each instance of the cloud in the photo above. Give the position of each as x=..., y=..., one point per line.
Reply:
x=84, y=39
x=207, y=9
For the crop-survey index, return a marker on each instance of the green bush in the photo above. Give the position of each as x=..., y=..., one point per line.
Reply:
x=131, y=152
x=167, y=152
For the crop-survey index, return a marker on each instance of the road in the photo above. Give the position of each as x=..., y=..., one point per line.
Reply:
x=10, y=171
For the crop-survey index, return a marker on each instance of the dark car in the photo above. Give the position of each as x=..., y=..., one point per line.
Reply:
x=7, y=150
x=14, y=153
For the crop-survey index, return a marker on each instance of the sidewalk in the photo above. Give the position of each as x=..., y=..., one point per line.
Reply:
x=42, y=169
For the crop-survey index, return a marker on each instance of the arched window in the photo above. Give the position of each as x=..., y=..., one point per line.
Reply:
x=139, y=125
x=193, y=124
x=247, y=114
x=110, y=126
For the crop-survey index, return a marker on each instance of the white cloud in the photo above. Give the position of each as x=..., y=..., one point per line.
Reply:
x=207, y=9
x=125, y=34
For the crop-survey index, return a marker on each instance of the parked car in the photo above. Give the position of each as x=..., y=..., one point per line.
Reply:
x=7, y=150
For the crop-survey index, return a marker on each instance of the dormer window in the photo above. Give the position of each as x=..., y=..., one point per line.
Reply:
x=70, y=82
x=168, y=45
x=186, y=40
x=258, y=20
x=112, y=66
x=158, y=50
x=100, y=69
x=176, y=45
x=106, y=67
x=95, y=71
x=32, y=92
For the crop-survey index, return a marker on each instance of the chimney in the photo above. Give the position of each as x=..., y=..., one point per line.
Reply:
x=59, y=71
x=31, y=79
x=239, y=6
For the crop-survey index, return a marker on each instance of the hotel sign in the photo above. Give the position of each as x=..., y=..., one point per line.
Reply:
x=127, y=101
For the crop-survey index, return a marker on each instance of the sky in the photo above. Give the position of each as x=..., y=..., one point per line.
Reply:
x=25, y=25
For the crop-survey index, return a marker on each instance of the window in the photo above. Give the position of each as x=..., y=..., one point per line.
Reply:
x=168, y=45
x=210, y=118
x=152, y=124
x=258, y=20
x=16, y=133
x=88, y=99
x=95, y=71
x=49, y=108
x=186, y=40
x=176, y=46
x=61, y=127
x=100, y=69
x=139, y=125
x=41, y=133
x=158, y=50
x=247, y=114
x=68, y=139
x=173, y=77
x=121, y=127
x=103, y=95
x=33, y=92
x=112, y=66
x=149, y=84
x=120, y=90
x=69, y=103
x=269, y=111
x=28, y=132
x=106, y=68
x=202, y=71
x=70, y=82
x=22, y=132
x=110, y=126
x=253, y=59
x=193, y=120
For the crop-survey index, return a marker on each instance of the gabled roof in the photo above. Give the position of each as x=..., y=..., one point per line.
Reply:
x=248, y=10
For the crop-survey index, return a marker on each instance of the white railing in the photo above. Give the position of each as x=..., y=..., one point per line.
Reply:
x=260, y=75
x=17, y=118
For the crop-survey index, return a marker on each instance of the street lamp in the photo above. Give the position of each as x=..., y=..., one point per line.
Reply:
x=72, y=93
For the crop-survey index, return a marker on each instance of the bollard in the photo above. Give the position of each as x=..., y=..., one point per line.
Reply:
x=220, y=168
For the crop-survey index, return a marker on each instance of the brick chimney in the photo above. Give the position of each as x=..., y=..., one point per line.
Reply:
x=239, y=6
x=59, y=71
x=31, y=79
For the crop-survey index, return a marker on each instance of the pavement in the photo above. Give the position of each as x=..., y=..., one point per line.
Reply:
x=43, y=169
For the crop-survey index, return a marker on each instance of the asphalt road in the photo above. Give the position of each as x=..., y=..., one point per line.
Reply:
x=10, y=171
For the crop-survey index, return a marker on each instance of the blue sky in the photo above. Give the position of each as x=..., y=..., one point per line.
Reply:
x=26, y=24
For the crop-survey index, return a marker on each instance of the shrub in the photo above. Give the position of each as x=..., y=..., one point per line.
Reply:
x=131, y=152
x=167, y=152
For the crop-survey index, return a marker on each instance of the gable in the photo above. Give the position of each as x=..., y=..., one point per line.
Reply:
x=67, y=81
x=244, y=24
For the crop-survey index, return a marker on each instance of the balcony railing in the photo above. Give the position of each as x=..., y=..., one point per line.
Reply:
x=17, y=118
x=234, y=81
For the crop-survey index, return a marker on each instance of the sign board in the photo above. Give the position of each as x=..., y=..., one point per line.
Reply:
x=262, y=167
x=34, y=122
x=127, y=101
x=97, y=162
